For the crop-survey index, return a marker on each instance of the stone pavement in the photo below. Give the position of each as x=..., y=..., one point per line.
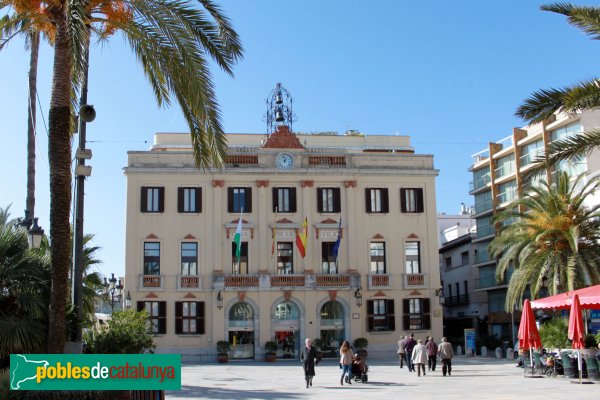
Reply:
x=482, y=378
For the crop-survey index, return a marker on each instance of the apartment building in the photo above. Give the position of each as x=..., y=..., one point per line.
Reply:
x=370, y=265
x=498, y=178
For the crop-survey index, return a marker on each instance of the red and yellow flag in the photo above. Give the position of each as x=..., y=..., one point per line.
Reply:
x=301, y=235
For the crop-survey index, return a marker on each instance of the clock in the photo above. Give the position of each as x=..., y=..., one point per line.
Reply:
x=284, y=161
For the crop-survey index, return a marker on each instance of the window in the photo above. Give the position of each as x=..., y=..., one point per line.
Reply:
x=466, y=286
x=448, y=262
x=377, y=200
x=505, y=166
x=507, y=191
x=483, y=201
x=153, y=199
x=285, y=258
x=151, y=258
x=377, y=257
x=481, y=177
x=189, y=317
x=284, y=200
x=464, y=258
x=416, y=314
x=328, y=260
x=496, y=301
x=412, y=254
x=239, y=266
x=328, y=200
x=157, y=315
x=189, y=258
x=411, y=200
x=531, y=151
x=189, y=200
x=380, y=315
x=238, y=199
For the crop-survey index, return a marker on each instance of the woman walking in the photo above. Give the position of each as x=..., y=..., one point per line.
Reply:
x=308, y=357
x=419, y=357
x=346, y=362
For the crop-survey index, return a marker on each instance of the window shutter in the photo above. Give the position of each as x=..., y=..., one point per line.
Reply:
x=405, y=315
x=319, y=200
x=403, y=200
x=178, y=317
x=248, y=200
x=391, y=316
x=162, y=317
x=200, y=317
x=180, y=193
x=425, y=305
x=370, y=324
x=161, y=199
x=368, y=200
x=199, y=200
x=385, y=207
x=426, y=318
x=230, y=200
x=275, y=199
x=144, y=199
x=337, y=207
x=293, y=200
x=140, y=306
x=419, y=200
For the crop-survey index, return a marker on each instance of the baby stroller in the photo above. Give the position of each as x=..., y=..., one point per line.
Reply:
x=359, y=370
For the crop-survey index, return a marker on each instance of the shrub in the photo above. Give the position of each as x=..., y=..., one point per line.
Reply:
x=270, y=347
x=223, y=346
x=361, y=343
x=590, y=342
x=127, y=333
x=554, y=333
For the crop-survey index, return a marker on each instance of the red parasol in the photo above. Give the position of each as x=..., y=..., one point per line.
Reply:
x=529, y=336
x=576, y=331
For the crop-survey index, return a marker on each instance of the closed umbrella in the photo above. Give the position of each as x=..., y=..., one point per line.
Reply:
x=576, y=331
x=529, y=336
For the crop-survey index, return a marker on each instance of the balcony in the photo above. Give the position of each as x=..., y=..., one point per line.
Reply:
x=414, y=281
x=266, y=281
x=486, y=282
x=151, y=282
x=456, y=300
x=479, y=182
x=379, y=281
x=332, y=280
x=283, y=281
x=189, y=282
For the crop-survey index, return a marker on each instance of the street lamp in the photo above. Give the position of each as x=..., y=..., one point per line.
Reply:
x=128, y=301
x=219, y=300
x=34, y=232
x=114, y=290
x=440, y=294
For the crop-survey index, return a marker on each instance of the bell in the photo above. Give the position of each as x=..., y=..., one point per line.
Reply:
x=278, y=99
x=279, y=116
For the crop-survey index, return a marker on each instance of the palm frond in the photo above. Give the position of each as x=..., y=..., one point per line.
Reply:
x=585, y=18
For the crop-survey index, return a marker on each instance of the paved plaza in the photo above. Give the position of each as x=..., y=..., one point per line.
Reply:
x=482, y=378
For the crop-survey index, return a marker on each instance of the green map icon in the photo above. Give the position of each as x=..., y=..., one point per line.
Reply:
x=24, y=370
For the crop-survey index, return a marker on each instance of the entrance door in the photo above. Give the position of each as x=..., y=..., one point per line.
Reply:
x=241, y=331
x=288, y=343
x=242, y=344
x=332, y=332
x=285, y=328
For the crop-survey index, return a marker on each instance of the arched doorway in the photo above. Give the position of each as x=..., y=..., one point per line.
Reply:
x=332, y=332
x=241, y=331
x=285, y=329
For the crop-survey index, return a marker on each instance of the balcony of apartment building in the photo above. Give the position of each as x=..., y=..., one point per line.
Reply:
x=456, y=300
x=489, y=282
x=483, y=204
x=485, y=229
x=161, y=282
x=268, y=281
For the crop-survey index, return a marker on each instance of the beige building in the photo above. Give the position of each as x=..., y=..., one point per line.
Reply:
x=372, y=192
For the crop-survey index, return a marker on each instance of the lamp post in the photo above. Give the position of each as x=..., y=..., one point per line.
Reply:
x=34, y=232
x=114, y=290
x=358, y=297
x=128, y=301
x=219, y=300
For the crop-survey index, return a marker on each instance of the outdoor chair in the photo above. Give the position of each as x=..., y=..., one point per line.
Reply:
x=569, y=365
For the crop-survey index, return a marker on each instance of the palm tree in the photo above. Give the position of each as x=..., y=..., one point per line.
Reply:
x=585, y=95
x=24, y=294
x=549, y=234
x=171, y=39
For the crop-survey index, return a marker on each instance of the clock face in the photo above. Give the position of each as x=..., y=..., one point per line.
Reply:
x=284, y=161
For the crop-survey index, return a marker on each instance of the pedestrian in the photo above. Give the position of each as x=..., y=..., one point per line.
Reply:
x=346, y=362
x=409, y=345
x=401, y=354
x=309, y=358
x=432, y=350
x=419, y=357
x=445, y=353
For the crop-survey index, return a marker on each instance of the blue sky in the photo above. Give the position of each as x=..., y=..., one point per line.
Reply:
x=449, y=74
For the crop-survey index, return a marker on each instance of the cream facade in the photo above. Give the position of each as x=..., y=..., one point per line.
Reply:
x=372, y=192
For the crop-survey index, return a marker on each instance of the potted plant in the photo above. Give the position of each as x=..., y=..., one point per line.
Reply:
x=270, y=351
x=360, y=346
x=223, y=347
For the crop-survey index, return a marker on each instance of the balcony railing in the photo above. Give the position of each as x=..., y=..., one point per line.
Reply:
x=486, y=282
x=151, y=282
x=379, y=281
x=189, y=282
x=482, y=206
x=480, y=182
x=411, y=281
x=332, y=280
x=266, y=281
x=241, y=281
x=295, y=280
x=456, y=300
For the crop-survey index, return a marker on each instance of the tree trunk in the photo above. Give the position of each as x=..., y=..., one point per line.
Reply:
x=59, y=155
x=31, y=123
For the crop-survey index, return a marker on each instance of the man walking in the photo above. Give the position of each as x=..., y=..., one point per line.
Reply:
x=445, y=352
x=401, y=354
x=432, y=350
x=409, y=345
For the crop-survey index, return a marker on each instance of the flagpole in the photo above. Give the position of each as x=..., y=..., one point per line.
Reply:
x=240, y=223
